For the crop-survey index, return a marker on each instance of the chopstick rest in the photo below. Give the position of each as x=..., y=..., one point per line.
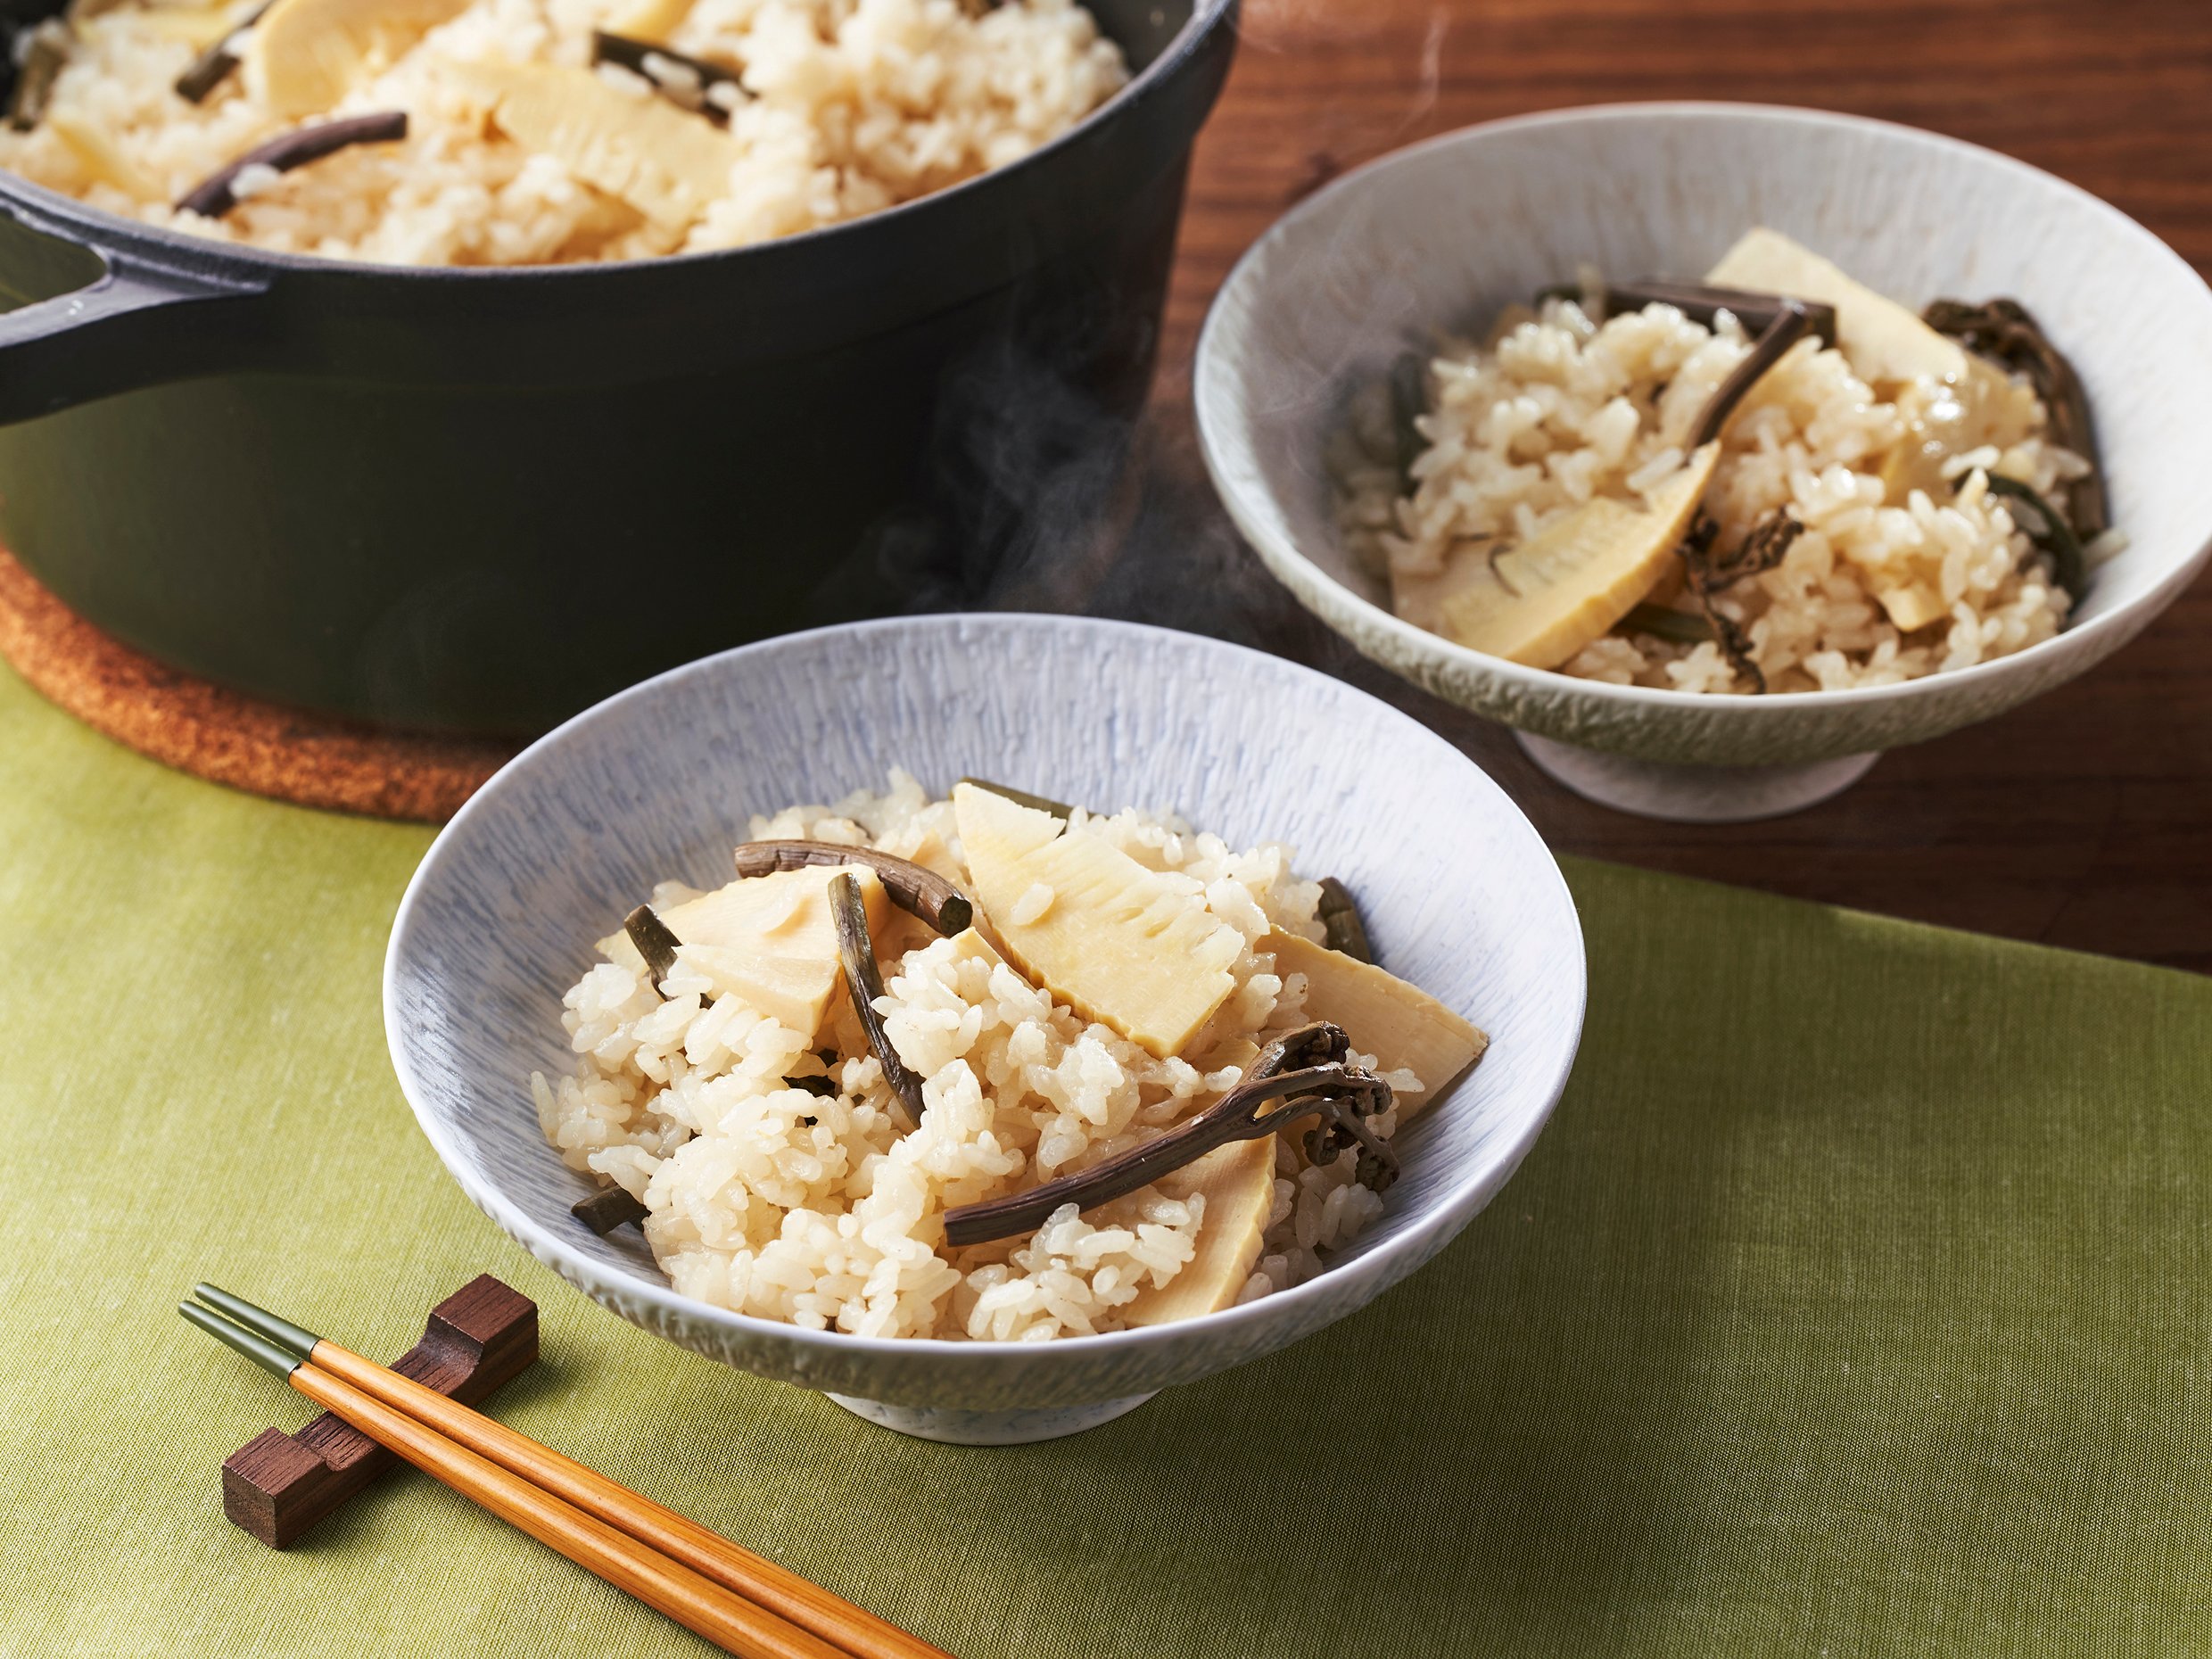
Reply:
x=743, y=1602
x=277, y=1487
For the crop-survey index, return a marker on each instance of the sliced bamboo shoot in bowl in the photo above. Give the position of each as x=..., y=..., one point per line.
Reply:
x=306, y=55
x=1541, y=600
x=1128, y=946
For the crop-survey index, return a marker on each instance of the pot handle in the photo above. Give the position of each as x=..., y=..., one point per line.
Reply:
x=139, y=323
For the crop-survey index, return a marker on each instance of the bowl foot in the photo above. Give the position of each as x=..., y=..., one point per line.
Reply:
x=989, y=1428
x=1692, y=795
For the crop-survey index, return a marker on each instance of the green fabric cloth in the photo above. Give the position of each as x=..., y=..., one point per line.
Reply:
x=1855, y=1302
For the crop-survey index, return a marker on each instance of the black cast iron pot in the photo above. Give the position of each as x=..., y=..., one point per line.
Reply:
x=477, y=500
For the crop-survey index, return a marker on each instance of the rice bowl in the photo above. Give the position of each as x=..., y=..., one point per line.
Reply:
x=1443, y=234
x=497, y=926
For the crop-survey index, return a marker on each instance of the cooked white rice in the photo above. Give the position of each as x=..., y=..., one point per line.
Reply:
x=1557, y=409
x=849, y=107
x=774, y=1201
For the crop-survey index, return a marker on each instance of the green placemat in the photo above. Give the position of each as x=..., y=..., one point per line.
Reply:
x=1855, y=1302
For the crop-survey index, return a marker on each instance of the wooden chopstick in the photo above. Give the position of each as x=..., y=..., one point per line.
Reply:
x=776, y=1588
x=753, y=1605
x=691, y=1598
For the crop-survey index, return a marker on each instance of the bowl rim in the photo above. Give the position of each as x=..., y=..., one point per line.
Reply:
x=118, y=233
x=1419, y=1241
x=1322, y=591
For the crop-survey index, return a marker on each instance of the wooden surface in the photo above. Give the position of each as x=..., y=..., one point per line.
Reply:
x=2083, y=820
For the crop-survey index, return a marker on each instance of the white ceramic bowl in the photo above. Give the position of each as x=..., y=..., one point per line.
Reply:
x=1444, y=233
x=1458, y=893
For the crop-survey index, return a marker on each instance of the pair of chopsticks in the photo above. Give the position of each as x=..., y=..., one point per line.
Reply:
x=741, y=1602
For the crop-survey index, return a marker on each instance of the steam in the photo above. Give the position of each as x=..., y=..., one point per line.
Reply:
x=1035, y=454
x=1431, y=71
x=1061, y=500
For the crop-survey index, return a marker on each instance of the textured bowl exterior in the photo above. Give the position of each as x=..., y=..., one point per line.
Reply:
x=1439, y=237
x=1458, y=891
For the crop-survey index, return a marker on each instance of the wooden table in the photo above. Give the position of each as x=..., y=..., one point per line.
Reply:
x=2083, y=820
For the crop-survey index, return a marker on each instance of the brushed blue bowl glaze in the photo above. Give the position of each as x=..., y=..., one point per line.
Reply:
x=1459, y=894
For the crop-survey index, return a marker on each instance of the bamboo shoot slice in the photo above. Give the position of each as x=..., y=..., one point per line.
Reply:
x=1118, y=943
x=197, y=28
x=1540, y=602
x=770, y=940
x=1237, y=1182
x=933, y=853
x=1943, y=418
x=788, y=910
x=1420, y=596
x=1401, y=1025
x=304, y=55
x=100, y=157
x=665, y=162
x=1914, y=606
x=969, y=945
x=1884, y=343
x=795, y=991
x=649, y=19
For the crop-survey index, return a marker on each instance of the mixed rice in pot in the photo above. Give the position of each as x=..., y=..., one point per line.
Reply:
x=517, y=132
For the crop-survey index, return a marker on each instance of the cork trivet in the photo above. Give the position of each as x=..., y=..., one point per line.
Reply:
x=225, y=736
